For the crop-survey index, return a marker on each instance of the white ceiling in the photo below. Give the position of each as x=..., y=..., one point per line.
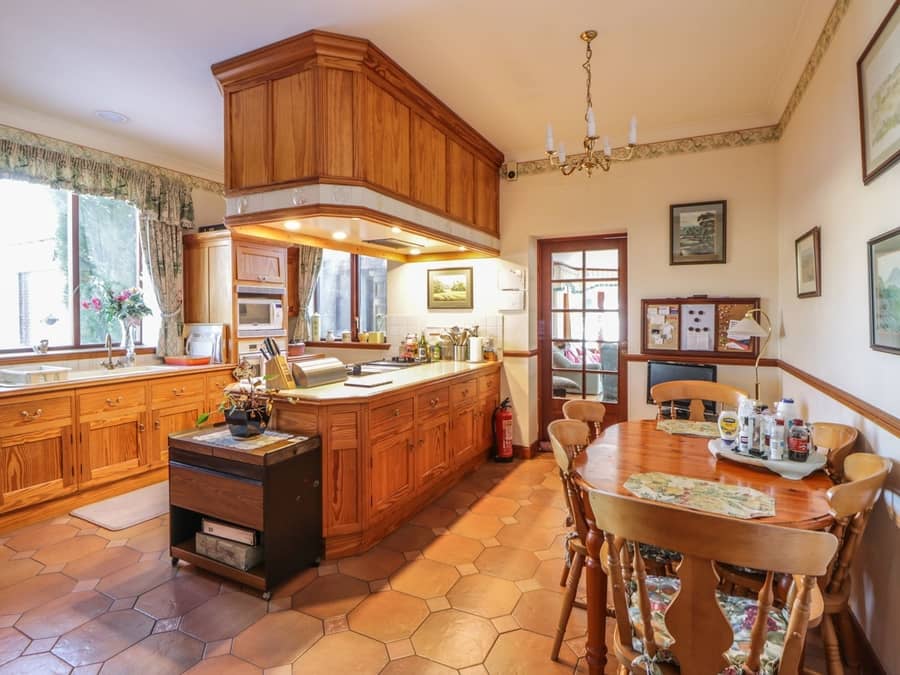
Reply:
x=683, y=66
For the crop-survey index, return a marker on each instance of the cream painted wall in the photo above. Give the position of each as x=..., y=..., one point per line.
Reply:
x=819, y=183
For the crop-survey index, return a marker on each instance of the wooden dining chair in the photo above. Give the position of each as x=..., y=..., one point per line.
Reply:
x=568, y=438
x=683, y=624
x=589, y=412
x=838, y=440
x=696, y=391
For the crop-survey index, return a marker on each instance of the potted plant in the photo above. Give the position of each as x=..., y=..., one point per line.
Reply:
x=125, y=305
x=246, y=405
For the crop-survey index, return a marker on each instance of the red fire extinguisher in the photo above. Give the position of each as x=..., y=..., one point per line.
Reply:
x=503, y=432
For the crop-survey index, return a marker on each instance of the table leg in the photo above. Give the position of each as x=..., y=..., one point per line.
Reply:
x=596, y=601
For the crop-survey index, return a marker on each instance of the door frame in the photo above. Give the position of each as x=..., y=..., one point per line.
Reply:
x=544, y=337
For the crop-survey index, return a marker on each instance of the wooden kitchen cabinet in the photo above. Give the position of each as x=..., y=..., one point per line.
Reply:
x=432, y=452
x=487, y=198
x=248, y=142
x=386, y=131
x=176, y=404
x=391, y=471
x=112, y=446
x=207, y=278
x=293, y=126
x=463, y=432
x=460, y=182
x=429, y=164
x=293, y=281
x=260, y=263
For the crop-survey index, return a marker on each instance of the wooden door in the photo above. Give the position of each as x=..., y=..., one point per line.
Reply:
x=112, y=447
x=167, y=421
x=257, y=262
x=432, y=450
x=463, y=432
x=247, y=137
x=582, y=325
x=35, y=466
x=390, y=470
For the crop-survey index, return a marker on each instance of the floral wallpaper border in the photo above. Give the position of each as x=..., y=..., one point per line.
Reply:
x=725, y=139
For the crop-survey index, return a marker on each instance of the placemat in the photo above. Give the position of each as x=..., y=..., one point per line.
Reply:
x=689, y=428
x=701, y=495
x=223, y=438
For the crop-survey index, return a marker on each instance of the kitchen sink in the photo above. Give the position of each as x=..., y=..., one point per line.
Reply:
x=100, y=373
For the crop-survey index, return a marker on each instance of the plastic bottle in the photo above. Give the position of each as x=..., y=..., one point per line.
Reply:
x=315, y=327
x=765, y=433
x=728, y=427
x=776, y=449
x=798, y=443
x=788, y=410
x=747, y=422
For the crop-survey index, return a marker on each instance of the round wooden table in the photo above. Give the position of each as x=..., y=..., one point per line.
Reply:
x=638, y=447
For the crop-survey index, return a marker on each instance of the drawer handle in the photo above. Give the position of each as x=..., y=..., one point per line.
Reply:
x=32, y=415
x=433, y=402
x=178, y=392
x=157, y=424
x=396, y=412
x=114, y=401
x=262, y=277
x=141, y=427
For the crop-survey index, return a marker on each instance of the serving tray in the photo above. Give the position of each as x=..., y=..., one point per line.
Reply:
x=785, y=468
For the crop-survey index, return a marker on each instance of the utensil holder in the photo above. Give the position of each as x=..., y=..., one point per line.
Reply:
x=278, y=373
x=460, y=352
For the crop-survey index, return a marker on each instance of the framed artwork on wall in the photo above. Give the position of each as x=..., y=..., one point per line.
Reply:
x=884, y=292
x=808, y=264
x=697, y=233
x=450, y=288
x=878, y=82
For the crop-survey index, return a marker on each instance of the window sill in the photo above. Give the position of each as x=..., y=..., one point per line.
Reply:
x=349, y=345
x=66, y=355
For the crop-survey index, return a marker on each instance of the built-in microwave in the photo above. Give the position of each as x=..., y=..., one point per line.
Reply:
x=259, y=315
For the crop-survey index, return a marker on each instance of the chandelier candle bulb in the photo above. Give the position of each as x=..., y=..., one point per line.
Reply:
x=562, y=153
x=632, y=131
x=607, y=148
x=591, y=123
x=549, y=137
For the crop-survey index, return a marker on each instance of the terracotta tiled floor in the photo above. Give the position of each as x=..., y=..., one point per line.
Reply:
x=470, y=585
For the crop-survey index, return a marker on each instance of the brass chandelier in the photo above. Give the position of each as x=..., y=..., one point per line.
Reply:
x=593, y=157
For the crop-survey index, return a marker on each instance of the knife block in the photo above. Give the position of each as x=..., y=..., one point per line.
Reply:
x=278, y=373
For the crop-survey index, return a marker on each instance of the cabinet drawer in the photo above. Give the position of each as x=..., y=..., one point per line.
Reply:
x=216, y=383
x=28, y=411
x=463, y=393
x=489, y=384
x=109, y=399
x=433, y=401
x=390, y=416
x=236, y=500
x=173, y=389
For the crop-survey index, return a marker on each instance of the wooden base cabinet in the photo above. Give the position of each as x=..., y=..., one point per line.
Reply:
x=432, y=453
x=391, y=471
x=112, y=447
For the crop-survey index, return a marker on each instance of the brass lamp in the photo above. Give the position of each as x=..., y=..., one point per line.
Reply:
x=748, y=327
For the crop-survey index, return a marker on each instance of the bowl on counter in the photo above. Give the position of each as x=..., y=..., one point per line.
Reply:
x=187, y=360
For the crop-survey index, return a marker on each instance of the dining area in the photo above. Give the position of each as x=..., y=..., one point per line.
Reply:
x=705, y=559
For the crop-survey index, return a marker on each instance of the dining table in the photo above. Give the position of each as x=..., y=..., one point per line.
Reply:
x=636, y=447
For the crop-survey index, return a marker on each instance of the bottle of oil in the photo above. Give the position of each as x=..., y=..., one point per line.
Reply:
x=422, y=353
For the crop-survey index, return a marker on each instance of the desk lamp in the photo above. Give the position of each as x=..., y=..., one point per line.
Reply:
x=748, y=327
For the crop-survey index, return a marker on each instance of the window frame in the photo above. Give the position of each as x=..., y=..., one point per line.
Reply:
x=354, y=294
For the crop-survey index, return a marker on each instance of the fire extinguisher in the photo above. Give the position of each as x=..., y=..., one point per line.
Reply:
x=503, y=432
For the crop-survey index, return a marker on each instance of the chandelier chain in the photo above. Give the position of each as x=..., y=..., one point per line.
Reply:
x=587, y=67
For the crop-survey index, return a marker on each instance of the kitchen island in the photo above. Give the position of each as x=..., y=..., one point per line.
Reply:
x=389, y=450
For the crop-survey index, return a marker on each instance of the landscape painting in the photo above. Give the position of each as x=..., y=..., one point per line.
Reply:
x=807, y=254
x=884, y=291
x=450, y=288
x=697, y=233
x=878, y=78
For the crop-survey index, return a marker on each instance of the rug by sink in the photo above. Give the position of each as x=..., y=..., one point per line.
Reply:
x=118, y=513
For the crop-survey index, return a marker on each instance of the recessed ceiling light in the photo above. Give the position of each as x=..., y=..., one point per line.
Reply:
x=339, y=235
x=111, y=116
x=414, y=251
x=462, y=248
x=396, y=230
x=356, y=219
x=292, y=224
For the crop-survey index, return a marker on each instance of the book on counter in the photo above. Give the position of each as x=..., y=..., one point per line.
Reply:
x=217, y=528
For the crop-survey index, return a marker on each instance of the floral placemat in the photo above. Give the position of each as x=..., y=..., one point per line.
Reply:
x=223, y=438
x=701, y=495
x=689, y=428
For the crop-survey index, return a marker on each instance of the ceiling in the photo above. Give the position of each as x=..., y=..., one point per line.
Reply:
x=685, y=67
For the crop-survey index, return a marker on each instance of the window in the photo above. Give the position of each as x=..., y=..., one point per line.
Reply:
x=57, y=242
x=366, y=279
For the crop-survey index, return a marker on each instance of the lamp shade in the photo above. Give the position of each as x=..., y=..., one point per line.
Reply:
x=747, y=328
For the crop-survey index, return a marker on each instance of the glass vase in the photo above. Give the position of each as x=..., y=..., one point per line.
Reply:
x=128, y=326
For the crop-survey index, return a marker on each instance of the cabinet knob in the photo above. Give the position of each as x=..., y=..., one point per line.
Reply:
x=178, y=392
x=433, y=402
x=396, y=412
x=141, y=426
x=32, y=415
x=157, y=424
x=114, y=401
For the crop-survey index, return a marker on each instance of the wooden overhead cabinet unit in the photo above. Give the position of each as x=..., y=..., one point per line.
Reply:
x=320, y=108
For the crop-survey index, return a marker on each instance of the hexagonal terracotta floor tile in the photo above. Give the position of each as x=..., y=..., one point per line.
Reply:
x=494, y=506
x=549, y=497
x=168, y=653
x=424, y=578
x=330, y=595
x=455, y=639
x=63, y=614
x=101, y=563
x=434, y=516
x=408, y=538
x=476, y=526
x=549, y=573
x=102, y=638
x=33, y=592
x=542, y=516
x=177, y=596
x=539, y=610
x=453, y=549
x=224, y=665
x=416, y=665
x=15, y=571
x=509, y=563
x=12, y=643
x=136, y=579
x=277, y=639
x=70, y=549
x=378, y=563
x=483, y=595
x=36, y=664
x=455, y=499
x=151, y=541
x=513, y=491
x=526, y=536
x=522, y=651
x=223, y=616
x=39, y=536
x=388, y=616
x=346, y=652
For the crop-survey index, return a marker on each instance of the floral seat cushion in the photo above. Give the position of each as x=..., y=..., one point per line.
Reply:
x=740, y=612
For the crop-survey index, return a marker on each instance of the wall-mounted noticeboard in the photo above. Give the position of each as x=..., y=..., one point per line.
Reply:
x=695, y=326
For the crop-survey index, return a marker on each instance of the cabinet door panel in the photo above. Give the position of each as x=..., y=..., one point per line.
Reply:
x=219, y=290
x=432, y=451
x=460, y=182
x=168, y=421
x=486, y=424
x=36, y=466
x=196, y=285
x=261, y=263
x=386, y=158
x=391, y=470
x=462, y=433
x=342, y=493
x=487, y=187
x=111, y=448
x=248, y=137
x=293, y=127
x=336, y=122
x=429, y=164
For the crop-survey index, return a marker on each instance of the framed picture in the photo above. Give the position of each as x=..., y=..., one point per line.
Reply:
x=884, y=292
x=697, y=233
x=878, y=81
x=450, y=288
x=808, y=262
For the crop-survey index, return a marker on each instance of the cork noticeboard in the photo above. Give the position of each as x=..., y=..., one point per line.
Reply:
x=696, y=326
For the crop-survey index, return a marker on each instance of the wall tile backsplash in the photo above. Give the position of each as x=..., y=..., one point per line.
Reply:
x=398, y=326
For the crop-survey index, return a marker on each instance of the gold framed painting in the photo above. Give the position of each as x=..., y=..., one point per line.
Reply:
x=450, y=288
x=808, y=263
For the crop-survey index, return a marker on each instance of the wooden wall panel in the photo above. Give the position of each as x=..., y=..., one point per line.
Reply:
x=386, y=128
x=294, y=127
x=337, y=108
x=486, y=197
x=460, y=182
x=429, y=164
x=248, y=137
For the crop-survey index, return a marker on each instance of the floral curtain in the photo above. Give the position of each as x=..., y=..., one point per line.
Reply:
x=163, y=250
x=310, y=263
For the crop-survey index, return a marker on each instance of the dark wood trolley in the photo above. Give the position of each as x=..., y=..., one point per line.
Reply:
x=275, y=489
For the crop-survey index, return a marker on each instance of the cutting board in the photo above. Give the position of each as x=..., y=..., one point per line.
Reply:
x=368, y=381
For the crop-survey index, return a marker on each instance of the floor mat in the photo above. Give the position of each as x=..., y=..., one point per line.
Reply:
x=129, y=509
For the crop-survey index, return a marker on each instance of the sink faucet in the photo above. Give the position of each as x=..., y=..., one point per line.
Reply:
x=109, y=364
